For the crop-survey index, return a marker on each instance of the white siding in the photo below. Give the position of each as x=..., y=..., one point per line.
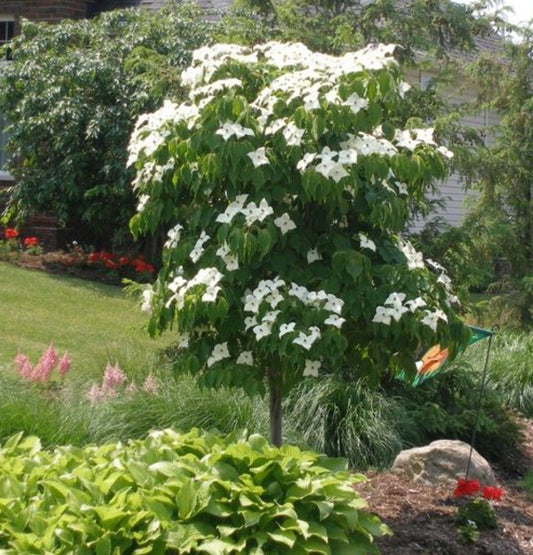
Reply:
x=452, y=190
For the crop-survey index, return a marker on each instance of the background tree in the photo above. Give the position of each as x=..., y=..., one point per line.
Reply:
x=501, y=169
x=285, y=183
x=431, y=28
x=72, y=94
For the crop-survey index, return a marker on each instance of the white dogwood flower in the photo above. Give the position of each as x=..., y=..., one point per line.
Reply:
x=258, y=157
x=334, y=304
x=284, y=223
x=302, y=165
x=311, y=368
x=313, y=255
x=246, y=358
x=220, y=352
x=413, y=304
x=306, y=340
x=431, y=319
x=174, y=236
x=232, y=128
x=262, y=330
x=286, y=328
x=382, y=316
x=366, y=243
x=334, y=320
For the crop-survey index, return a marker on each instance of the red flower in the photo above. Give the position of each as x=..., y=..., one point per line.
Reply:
x=94, y=257
x=466, y=487
x=104, y=255
x=123, y=260
x=141, y=266
x=490, y=492
x=11, y=233
x=31, y=242
x=110, y=264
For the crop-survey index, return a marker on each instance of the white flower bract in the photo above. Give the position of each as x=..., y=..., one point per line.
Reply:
x=284, y=223
x=219, y=352
x=311, y=368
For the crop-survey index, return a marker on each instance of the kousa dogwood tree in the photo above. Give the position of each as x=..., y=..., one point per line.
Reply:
x=284, y=182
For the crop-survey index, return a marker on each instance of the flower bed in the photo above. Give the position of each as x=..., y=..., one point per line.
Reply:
x=103, y=266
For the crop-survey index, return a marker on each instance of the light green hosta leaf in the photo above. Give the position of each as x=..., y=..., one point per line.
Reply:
x=314, y=545
x=139, y=472
x=301, y=527
x=221, y=547
x=373, y=525
x=110, y=516
x=285, y=537
x=359, y=547
x=335, y=464
x=324, y=508
x=187, y=498
x=102, y=546
x=160, y=510
x=11, y=487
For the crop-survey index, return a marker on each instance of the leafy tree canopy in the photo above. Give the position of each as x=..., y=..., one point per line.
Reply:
x=285, y=182
x=72, y=94
x=434, y=27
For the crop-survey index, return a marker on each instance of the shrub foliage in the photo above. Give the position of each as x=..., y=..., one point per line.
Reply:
x=189, y=494
x=72, y=93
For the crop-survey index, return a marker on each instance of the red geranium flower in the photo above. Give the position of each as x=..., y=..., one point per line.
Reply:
x=11, y=233
x=466, y=487
x=94, y=257
x=490, y=492
x=110, y=264
x=104, y=255
x=124, y=260
x=141, y=266
x=31, y=242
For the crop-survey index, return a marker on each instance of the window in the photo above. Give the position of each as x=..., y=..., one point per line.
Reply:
x=7, y=30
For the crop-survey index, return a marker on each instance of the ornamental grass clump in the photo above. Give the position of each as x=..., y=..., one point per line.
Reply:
x=284, y=182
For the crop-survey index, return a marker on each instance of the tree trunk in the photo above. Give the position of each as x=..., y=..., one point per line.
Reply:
x=275, y=392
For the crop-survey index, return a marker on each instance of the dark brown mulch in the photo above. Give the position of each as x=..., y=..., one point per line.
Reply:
x=422, y=518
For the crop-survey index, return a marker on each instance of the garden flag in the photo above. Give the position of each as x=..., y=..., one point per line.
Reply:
x=436, y=358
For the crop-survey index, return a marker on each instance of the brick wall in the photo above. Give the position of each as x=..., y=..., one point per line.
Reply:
x=50, y=11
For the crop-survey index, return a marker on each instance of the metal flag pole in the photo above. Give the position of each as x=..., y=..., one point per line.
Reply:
x=478, y=408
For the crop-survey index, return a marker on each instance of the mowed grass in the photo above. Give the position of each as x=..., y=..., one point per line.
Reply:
x=95, y=323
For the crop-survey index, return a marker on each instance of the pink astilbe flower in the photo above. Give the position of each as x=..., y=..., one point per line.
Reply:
x=45, y=366
x=64, y=364
x=150, y=385
x=95, y=394
x=131, y=389
x=113, y=377
x=24, y=367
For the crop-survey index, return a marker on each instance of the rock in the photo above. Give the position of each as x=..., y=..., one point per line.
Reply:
x=443, y=461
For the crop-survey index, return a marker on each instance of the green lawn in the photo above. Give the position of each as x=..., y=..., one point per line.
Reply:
x=95, y=323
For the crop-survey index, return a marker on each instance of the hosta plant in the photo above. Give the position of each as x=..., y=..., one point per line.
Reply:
x=188, y=494
x=285, y=182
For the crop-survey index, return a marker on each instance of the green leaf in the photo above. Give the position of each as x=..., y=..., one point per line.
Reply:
x=186, y=499
x=102, y=546
x=285, y=537
x=110, y=516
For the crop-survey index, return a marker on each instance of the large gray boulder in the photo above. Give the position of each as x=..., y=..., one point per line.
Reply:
x=443, y=461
